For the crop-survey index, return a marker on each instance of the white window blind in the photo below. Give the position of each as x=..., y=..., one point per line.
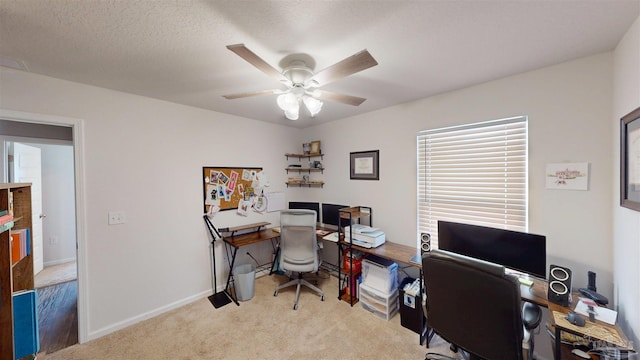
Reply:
x=475, y=174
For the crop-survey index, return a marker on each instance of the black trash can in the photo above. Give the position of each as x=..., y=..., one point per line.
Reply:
x=411, y=308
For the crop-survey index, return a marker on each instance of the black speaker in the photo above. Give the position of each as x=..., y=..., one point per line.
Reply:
x=592, y=281
x=559, y=285
x=425, y=243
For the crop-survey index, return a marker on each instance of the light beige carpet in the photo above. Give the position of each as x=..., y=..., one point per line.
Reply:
x=264, y=327
x=56, y=274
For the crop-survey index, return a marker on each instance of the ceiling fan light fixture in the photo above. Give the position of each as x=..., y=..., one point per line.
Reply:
x=301, y=81
x=313, y=105
x=287, y=101
x=292, y=114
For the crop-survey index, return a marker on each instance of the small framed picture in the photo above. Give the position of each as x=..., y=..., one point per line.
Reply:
x=314, y=148
x=364, y=165
x=630, y=160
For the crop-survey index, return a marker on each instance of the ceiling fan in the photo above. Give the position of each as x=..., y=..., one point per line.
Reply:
x=302, y=83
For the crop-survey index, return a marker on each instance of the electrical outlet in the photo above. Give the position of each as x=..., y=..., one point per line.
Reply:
x=116, y=217
x=53, y=240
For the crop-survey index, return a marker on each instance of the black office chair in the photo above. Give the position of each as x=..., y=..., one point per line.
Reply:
x=476, y=307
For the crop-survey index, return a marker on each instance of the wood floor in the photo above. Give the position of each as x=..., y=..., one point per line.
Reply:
x=58, y=316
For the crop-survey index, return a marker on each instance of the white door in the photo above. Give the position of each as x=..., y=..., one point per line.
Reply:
x=27, y=169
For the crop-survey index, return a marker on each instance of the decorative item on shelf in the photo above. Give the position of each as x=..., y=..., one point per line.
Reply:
x=306, y=148
x=305, y=179
x=317, y=164
x=315, y=148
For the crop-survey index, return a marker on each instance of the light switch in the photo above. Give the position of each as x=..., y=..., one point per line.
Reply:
x=116, y=217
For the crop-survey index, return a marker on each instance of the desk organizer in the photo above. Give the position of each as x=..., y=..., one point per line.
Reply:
x=384, y=306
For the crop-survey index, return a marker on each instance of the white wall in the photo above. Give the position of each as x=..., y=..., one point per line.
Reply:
x=568, y=106
x=626, y=222
x=145, y=157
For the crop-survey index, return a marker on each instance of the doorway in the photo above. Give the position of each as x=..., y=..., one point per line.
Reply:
x=56, y=284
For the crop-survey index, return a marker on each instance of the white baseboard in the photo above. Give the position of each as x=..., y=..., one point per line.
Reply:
x=136, y=319
x=59, y=261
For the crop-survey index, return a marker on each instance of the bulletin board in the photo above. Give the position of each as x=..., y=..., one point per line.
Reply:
x=226, y=186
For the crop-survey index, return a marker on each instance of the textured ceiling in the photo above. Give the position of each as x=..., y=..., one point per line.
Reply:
x=176, y=50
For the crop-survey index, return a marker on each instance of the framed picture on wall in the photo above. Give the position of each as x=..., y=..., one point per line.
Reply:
x=630, y=160
x=364, y=165
x=314, y=148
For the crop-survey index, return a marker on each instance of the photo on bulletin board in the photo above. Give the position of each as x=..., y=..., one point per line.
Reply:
x=225, y=187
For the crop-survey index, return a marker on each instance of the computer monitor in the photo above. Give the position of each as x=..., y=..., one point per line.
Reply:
x=331, y=215
x=519, y=251
x=307, y=206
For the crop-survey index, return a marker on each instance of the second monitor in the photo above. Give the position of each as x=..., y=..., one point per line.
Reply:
x=331, y=214
x=307, y=206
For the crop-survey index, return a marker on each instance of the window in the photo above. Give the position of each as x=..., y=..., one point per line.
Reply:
x=475, y=174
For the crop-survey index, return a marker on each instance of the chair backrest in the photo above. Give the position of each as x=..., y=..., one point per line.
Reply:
x=298, y=243
x=473, y=304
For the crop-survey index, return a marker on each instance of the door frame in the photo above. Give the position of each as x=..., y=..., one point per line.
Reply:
x=77, y=126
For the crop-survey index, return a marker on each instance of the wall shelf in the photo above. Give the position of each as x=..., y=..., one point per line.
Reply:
x=306, y=180
x=306, y=184
x=303, y=156
x=301, y=170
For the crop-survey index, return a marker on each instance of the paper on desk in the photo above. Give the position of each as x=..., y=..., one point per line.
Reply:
x=332, y=237
x=601, y=313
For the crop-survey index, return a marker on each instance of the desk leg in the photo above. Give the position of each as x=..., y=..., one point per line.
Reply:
x=339, y=268
x=226, y=289
x=424, y=331
x=275, y=258
x=556, y=353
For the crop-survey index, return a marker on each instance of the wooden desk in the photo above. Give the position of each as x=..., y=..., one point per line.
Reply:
x=599, y=331
x=235, y=242
x=537, y=294
x=390, y=250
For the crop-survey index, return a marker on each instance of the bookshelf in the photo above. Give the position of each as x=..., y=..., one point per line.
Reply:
x=348, y=283
x=15, y=276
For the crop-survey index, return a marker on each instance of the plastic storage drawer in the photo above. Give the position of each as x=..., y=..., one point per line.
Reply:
x=377, y=312
x=383, y=305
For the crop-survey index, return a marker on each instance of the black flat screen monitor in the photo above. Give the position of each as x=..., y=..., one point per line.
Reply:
x=308, y=206
x=519, y=251
x=331, y=215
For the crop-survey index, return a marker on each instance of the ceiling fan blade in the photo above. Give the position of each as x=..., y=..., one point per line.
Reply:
x=249, y=94
x=256, y=61
x=351, y=65
x=341, y=98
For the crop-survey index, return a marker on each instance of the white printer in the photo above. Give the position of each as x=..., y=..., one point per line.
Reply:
x=364, y=236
